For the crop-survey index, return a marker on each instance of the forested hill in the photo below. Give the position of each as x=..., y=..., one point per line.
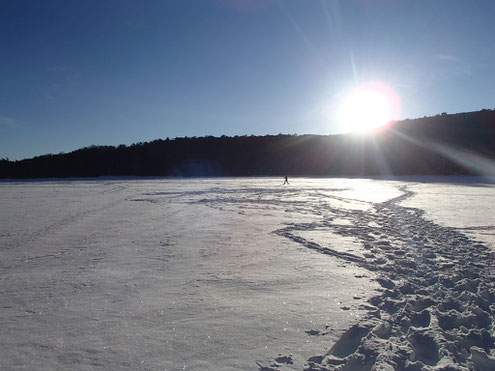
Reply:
x=442, y=145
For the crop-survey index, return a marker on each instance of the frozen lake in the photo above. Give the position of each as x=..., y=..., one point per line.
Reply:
x=219, y=274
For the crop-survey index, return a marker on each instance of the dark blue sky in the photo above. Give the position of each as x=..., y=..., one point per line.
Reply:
x=81, y=72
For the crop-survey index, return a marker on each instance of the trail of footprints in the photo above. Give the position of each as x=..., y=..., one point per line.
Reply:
x=437, y=305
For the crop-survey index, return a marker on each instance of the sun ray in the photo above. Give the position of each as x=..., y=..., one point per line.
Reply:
x=474, y=162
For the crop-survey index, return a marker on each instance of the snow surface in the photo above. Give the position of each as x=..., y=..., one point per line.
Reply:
x=228, y=274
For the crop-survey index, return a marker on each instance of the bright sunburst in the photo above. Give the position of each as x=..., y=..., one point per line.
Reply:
x=367, y=107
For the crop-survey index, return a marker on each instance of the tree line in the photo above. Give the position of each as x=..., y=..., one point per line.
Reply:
x=445, y=144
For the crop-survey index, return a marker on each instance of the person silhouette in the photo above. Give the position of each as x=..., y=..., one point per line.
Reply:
x=286, y=181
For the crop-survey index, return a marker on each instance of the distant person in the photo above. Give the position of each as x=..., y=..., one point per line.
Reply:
x=286, y=181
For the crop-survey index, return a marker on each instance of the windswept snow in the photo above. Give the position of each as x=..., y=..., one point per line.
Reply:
x=235, y=274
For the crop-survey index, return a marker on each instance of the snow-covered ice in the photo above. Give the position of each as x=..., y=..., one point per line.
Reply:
x=228, y=274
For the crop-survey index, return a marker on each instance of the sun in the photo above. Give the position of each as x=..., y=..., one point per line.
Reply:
x=367, y=107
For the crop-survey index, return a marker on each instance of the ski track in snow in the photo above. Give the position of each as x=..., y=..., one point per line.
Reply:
x=437, y=306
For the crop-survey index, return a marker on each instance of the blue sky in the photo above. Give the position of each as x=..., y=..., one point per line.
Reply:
x=81, y=72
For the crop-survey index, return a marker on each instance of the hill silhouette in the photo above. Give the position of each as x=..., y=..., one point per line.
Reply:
x=445, y=144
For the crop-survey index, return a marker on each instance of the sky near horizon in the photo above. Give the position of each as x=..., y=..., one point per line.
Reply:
x=80, y=72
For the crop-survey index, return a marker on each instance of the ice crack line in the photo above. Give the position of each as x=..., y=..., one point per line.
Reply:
x=436, y=308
